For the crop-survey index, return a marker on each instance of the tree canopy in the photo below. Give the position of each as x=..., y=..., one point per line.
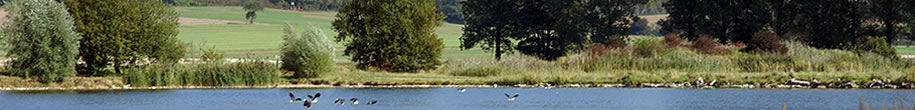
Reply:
x=124, y=32
x=393, y=35
x=41, y=40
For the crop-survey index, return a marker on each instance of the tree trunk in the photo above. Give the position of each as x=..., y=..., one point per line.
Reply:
x=498, y=50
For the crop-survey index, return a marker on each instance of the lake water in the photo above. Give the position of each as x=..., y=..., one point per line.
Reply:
x=450, y=99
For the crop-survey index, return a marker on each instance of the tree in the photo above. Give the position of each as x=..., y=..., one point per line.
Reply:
x=252, y=7
x=123, y=32
x=451, y=9
x=890, y=13
x=489, y=24
x=547, y=29
x=393, y=35
x=308, y=56
x=41, y=40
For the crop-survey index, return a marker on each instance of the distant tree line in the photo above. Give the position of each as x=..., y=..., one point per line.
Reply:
x=547, y=29
x=836, y=24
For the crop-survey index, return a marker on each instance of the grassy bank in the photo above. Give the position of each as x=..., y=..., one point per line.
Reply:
x=248, y=73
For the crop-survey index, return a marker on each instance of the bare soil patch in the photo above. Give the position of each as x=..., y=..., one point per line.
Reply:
x=191, y=21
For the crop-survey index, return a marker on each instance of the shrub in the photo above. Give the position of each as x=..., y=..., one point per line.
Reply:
x=307, y=56
x=210, y=55
x=672, y=40
x=876, y=45
x=765, y=42
x=647, y=47
x=41, y=40
x=707, y=45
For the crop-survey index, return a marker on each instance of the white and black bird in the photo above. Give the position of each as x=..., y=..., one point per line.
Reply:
x=354, y=100
x=373, y=102
x=511, y=97
x=314, y=99
x=340, y=100
x=292, y=98
x=462, y=90
x=308, y=103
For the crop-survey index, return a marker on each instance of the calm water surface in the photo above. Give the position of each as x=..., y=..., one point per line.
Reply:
x=450, y=99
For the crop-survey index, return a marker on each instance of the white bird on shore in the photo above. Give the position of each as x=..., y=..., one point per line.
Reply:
x=511, y=97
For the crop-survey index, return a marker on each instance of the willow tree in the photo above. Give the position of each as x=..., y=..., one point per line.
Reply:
x=122, y=32
x=41, y=40
x=394, y=35
x=307, y=56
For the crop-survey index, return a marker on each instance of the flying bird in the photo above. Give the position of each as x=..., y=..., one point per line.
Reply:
x=314, y=99
x=292, y=98
x=340, y=100
x=462, y=90
x=511, y=97
x=308, y=103
x=372, y=102
x=354, y=100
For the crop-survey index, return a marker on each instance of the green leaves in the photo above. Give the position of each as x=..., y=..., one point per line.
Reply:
x=125, y=31
x=394, y=35
x=547, y=29
x=307, y=56
x=40, y=39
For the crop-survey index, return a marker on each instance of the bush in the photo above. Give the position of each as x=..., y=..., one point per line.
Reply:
x=307, y=56
x=41, y=40
x=707, y=45
x=876, y=45
x=764, y=43
x=672, y=40
x=647, y=47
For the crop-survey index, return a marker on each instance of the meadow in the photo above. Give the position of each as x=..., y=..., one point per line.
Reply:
x=264, y=37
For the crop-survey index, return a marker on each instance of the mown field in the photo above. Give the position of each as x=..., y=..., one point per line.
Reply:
x=264, y=37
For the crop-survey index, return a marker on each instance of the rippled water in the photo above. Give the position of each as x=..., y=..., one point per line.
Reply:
x=450, y=99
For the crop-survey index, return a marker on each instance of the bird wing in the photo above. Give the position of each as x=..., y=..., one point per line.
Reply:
x=311, y=97
x=291, y=96
x=317, y=95
x=506, y=95
x=516, y=95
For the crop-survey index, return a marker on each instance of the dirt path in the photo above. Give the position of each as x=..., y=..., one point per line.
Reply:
x=191, y=21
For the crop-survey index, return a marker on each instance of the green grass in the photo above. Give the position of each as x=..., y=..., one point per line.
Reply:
x=264, y=39
x=905, y=50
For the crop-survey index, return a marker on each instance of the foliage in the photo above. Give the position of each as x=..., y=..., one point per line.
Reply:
x=125, y=32
x=307, y=56
x=672, y=40
x=398, y=37
x=249, y=72
x=451, y=9
x=210, y=55
x=544, y=28
x=878, y=46
x=647, y=47
x=765, y=42
x=252, y=7
x=707, y=45
x=727, y=20
x=41, y=40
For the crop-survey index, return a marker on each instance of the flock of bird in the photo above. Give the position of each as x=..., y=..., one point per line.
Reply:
x=311, y=99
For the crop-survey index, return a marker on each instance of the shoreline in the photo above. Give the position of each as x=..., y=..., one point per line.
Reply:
x=642, y=85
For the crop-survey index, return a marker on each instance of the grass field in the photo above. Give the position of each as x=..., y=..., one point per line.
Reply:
x=905, y=50
x=263, y=38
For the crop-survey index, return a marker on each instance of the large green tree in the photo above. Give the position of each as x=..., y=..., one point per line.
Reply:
x=123, y=32
x=489, y=24
x=393, y=35
x=41, y=39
